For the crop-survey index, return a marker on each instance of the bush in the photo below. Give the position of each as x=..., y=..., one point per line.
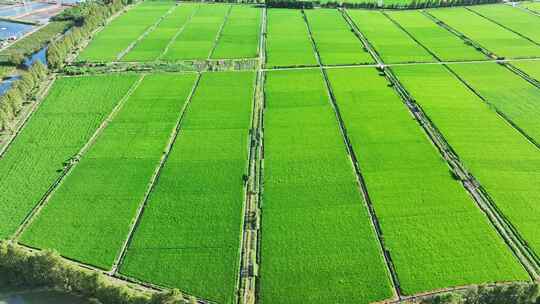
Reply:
x=22, y=268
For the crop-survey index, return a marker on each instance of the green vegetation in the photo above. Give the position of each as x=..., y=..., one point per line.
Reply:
x=107, y=186
x=124, y=30
x=318, y=244
x=503, y=161
x=87, y=17
x=198, y=38
x=288, y=42
x=493, y=37
x=16, y=53
x=240, y=35
x=445, y=45
x=189, y=236
x=514, y=97
x=415, y=196
x=392, y=44
x=54, y=134
x=335, y=41
x=21, y=92
x=513, y=18
x=21, y=268
x=153, y=45
x=531, y=68
x=533, y=6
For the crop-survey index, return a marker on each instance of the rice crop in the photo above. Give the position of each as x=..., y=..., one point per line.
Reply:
x=189, y=236
x=288, y=42
x=96, y=203
x=64, y=122
x=445, y=45
x=392, y=44
x=335, y=41
x=503, y=161
x=317, y=244
x=199, y=36
x=427, y=218
x=510, y=94
x=493, y=37
x=513, y=18
x=124, y=30
x=240, y=35
x=153, y=45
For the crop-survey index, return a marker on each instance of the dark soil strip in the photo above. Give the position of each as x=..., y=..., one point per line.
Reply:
x=363, y=187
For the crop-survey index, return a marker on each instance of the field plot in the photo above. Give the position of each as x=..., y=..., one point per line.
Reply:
x=121, y=32
x=54, y=134
x=189, y=236
x=97, y=202
x=533, y=6
x=334, y=39
x=392, y=44
x=445, y=45
x=317, y=244
x=240, y=35
x=531, y=68
x=504, y=162
x=493, y=37
x=516, y=98
x=198, y=38
x=513, y=18
x=153, y=45
x=288, y=42
x=435, y=233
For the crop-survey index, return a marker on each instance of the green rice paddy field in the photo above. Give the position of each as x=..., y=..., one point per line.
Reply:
x=163, y=178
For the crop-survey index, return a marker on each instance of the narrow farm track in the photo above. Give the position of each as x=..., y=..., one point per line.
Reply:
x=32, y=109
x=218, y=35
x=357, y=170
x=485, y=203
x=180, y=30
x=145, y=33
x=247, y=278
x=74, y=161
x=153, y=181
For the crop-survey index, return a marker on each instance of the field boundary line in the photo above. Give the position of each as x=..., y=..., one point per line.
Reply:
x=528, y=10
x=147, y=32
x=247, y=280
x=42, y=94
x=220, y=31
x=501, y=25
x=73, y=162
x=368, y=204
x=180, y=31
x=154, y=180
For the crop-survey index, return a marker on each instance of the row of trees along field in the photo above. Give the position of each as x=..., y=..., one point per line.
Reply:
x=87, y=17
x=21, y=268
x=21, y=91
x=414, y=4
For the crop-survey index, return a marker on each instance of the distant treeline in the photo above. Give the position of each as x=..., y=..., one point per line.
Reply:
x=414, y=4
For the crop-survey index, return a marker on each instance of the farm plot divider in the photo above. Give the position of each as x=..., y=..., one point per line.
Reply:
x=361, y=182
x=509, y=235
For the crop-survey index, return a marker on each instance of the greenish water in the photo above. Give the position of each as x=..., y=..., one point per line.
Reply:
x=39, y=297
